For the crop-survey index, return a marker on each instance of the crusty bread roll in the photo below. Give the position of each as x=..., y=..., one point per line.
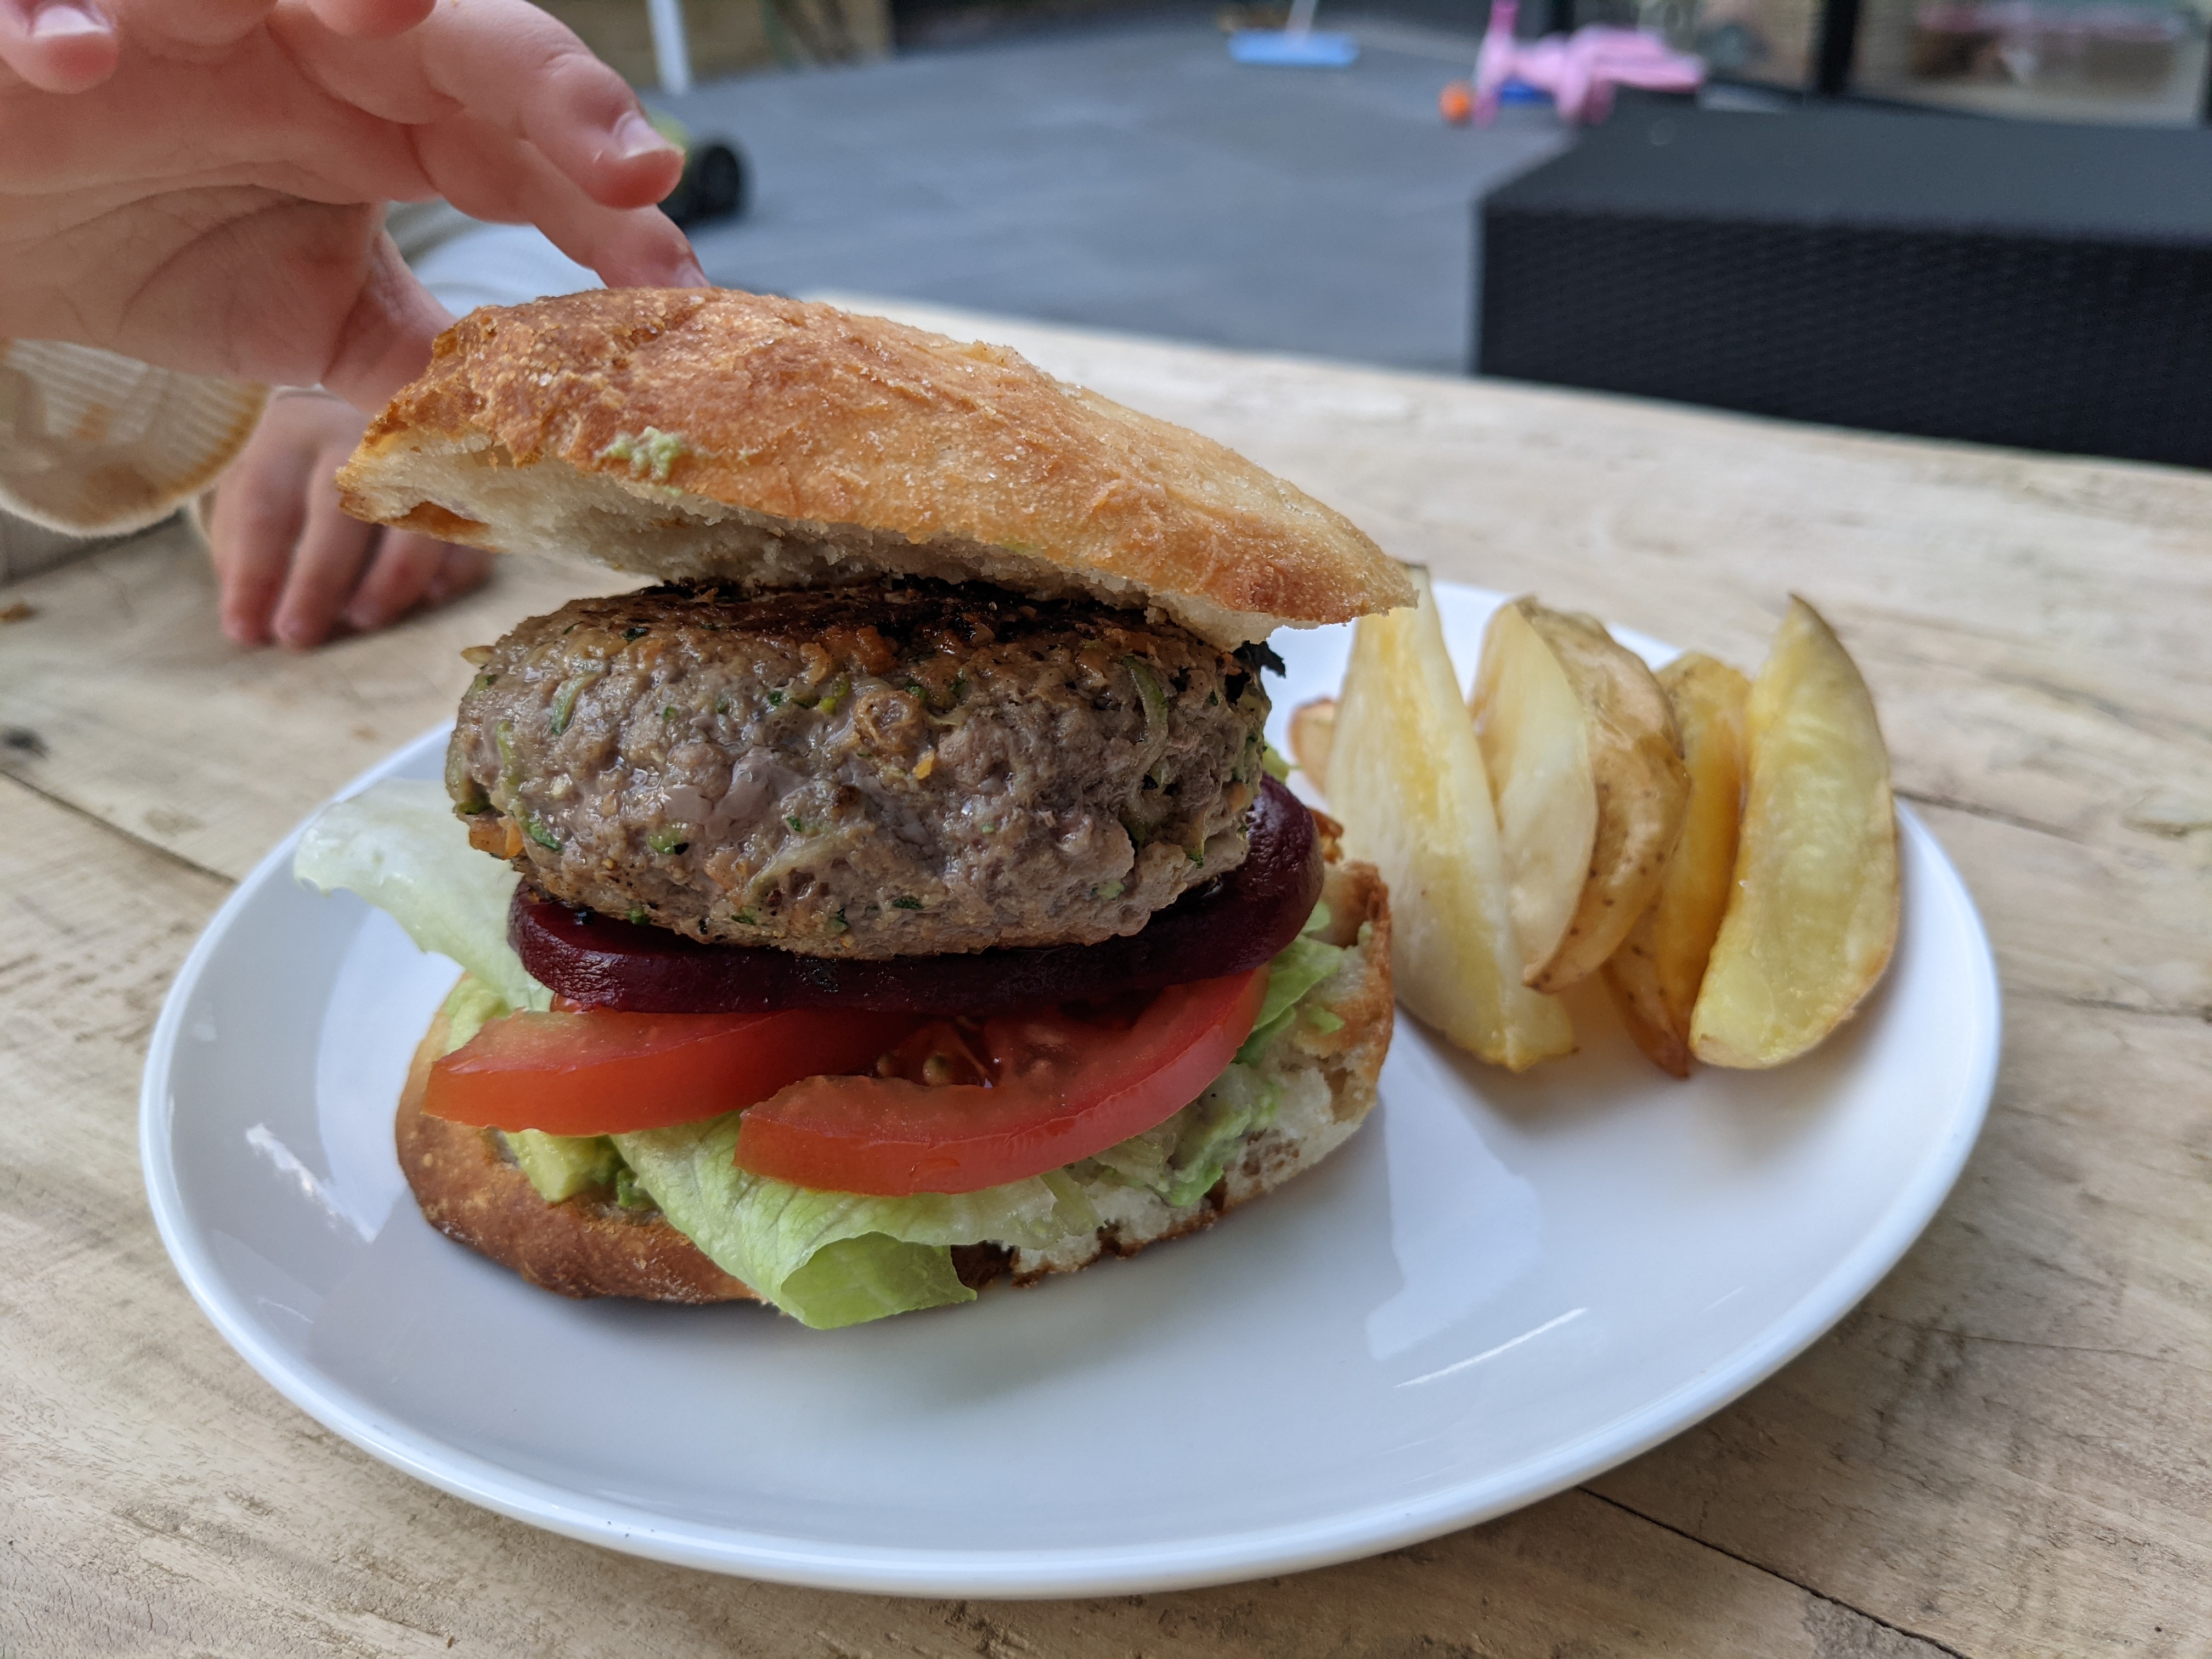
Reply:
x=587, y=1245
x=689, y=433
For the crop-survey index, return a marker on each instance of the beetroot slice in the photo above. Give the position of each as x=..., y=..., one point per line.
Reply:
x=1228, y=926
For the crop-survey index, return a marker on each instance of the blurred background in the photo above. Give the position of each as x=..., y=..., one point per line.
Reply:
x=1097, y=163
x=2132, y=61
x=1980, y=219
x=1105, y=162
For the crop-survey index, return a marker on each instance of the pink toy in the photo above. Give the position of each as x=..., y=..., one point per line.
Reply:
x=1580, y=71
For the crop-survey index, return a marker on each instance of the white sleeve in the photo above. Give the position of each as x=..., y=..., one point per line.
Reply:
x=94, y=444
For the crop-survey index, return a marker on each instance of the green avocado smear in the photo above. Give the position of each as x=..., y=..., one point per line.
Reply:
x=828, y=1259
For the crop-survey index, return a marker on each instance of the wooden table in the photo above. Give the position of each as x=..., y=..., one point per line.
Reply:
x=2007, y=1451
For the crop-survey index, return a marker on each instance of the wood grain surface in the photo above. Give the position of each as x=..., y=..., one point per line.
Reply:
x=2007, y=1449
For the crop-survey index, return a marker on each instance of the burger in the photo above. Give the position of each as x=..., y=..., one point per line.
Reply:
x=898, y=894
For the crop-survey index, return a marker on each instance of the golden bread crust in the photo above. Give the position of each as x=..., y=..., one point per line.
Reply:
x=811, y=442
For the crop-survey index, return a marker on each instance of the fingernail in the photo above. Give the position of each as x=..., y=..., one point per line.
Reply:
x=688, y=275
x=634, y=136
x=52, y=22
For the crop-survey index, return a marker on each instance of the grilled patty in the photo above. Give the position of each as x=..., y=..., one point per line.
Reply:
x=895, y=768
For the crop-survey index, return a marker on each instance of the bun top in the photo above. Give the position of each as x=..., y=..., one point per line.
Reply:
x=705, y=434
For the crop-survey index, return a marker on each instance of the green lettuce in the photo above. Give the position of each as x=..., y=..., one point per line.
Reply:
x=831, y=1259
x=1181, y=1158
x=470, y=1006
x=398, y=845
x=828, y=1259
x=1298, y=967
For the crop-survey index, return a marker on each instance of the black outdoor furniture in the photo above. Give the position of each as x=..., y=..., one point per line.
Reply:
x=2032, y=284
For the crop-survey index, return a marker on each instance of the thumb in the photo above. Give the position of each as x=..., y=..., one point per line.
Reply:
x=385, y=340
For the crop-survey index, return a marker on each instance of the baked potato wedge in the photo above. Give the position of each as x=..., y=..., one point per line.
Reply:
x=1812, y=920
x=1405, y=778
x=1655, y=974
x=1535, y=739
x=1580, y=742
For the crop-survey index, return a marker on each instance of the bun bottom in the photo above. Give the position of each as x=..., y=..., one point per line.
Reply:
x=470, y=1190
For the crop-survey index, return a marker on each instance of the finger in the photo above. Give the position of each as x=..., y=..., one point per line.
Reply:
x=219, y=22
x=326, y=567
x=384, y=341
x=371, y=20
x=534, y=80
x=490, y=176
x=204, y=23
x=260, y=507
x=463, y=570
x=190, y=22
x=408, y=571
x=508, y=63
x=584, y=119
x=58, y=45
x=397, y=579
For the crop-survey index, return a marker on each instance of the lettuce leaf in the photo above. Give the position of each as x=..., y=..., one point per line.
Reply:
x=1181, y=1158
x=470, y=1006
x=851, y=1280
x=890, y=1254
x=398, y=845
x=1300, y=966
x=828, y=1259
x=1240, y=1103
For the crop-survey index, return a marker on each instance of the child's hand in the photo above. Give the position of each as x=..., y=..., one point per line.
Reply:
x=202, y=183
x=292, y=566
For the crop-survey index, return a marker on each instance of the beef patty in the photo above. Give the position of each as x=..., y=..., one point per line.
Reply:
x=899, y=768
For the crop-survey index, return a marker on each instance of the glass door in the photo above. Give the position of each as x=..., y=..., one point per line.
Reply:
x=2139, y=62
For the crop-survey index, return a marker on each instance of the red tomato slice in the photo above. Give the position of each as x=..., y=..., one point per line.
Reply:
x=606, y=1074
x=1063, y=1088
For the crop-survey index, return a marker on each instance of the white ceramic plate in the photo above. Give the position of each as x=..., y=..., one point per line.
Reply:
x=1503, y=1286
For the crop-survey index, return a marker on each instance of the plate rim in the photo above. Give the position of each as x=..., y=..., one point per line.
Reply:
x=1180, y=1563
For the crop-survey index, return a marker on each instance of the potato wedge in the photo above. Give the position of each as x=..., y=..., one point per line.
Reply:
x=1535, y=739
x=1405, y=777
x=1581, y=743
x=1655, y=974
x=1312, y=730
x=1813, y=919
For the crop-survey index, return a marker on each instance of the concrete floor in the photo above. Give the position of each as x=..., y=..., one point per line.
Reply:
x=1129, y=176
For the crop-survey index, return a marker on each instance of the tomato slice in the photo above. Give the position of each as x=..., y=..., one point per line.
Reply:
x=1062, y=1087
x=606, y=1074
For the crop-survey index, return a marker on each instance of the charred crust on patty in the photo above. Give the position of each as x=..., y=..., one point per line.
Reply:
x=886, y=768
